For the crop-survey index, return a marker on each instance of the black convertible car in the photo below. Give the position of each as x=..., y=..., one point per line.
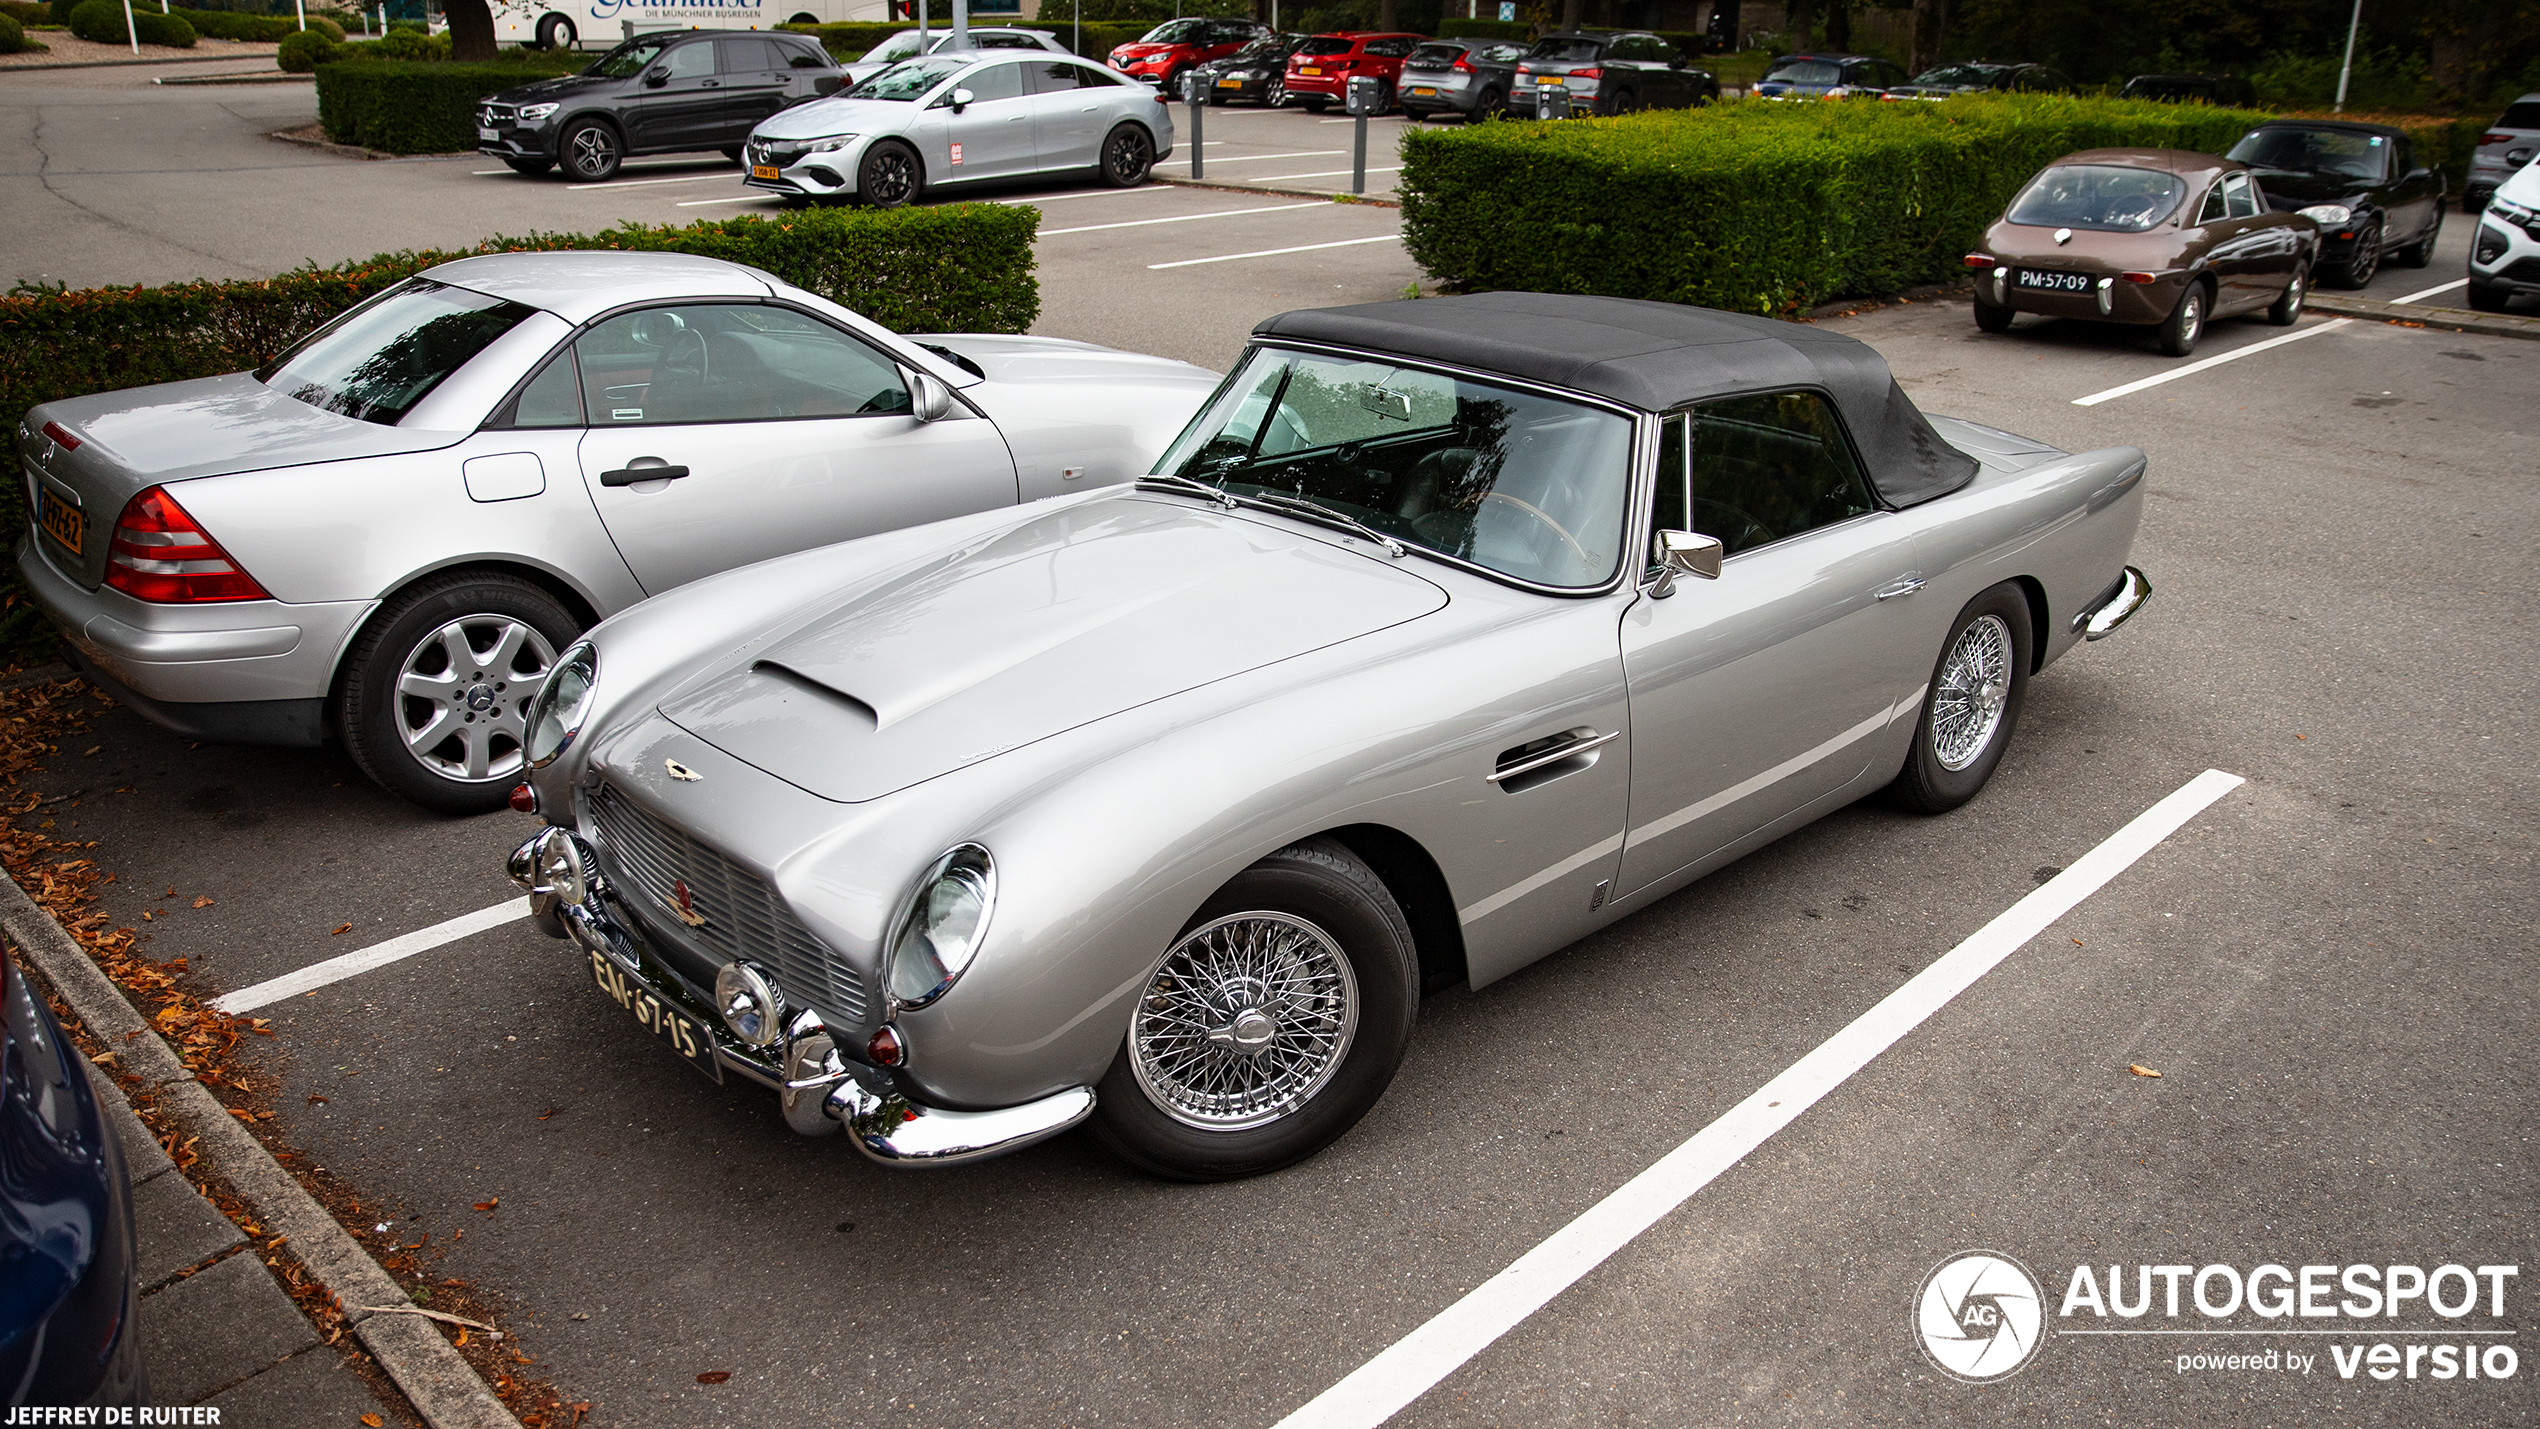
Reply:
x=1258, y=72
x=2361, y=183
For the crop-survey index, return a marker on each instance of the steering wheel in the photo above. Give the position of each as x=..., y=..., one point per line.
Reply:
x=1537, y=512
x=686, y=354
x=1735, y=528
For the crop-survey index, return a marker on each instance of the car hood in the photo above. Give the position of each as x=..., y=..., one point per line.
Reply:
x=1063, y=618
x=561, y=87
x=1144, y=52
x=2297, y=188
x=825, y=118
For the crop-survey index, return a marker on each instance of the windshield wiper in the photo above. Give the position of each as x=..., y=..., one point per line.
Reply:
x=1308, y=509
x=1183, y=485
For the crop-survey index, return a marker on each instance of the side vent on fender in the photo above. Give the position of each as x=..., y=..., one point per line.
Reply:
x=1555, y=756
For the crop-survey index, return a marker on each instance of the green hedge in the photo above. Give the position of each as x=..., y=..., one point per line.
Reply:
x=1750, y=205
x=412, y=107
x=102, y=21
x=13, y=36
x=254, y=29
x=955, y=268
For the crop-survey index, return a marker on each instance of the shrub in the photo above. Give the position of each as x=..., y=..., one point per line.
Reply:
x=412, y=108
x=13, y=36
x=102, y=21
x=256, y=29
x=303, y=51
x=1752, y=206
x=62, y=11
x=26, y=12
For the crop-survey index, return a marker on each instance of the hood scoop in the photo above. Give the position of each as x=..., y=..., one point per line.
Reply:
x=1060, y=620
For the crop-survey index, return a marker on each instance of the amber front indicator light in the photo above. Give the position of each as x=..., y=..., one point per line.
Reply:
x=2140, y=277
x=1978, y=260
x=159, y=554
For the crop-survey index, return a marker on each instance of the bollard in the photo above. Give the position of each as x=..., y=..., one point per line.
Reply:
x=1358, y=159
x=1199, y=103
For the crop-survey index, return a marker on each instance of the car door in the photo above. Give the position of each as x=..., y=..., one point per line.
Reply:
x=991, y=136
x=1069, y=112
x=679, y=102
x=1761, y=693
x=755, y=80
x=2246, y=254
x=773, y=432
x=2416, y=196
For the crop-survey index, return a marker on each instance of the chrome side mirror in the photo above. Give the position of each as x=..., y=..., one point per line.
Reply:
x=1683, y=553
x=930, y=400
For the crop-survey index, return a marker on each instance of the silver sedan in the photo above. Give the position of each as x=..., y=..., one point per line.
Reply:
x=387, y=535
x=952, y=119
x=1449, y=633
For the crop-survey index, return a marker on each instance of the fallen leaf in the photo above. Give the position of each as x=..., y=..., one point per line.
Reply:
x=489, y=1205
x=2140, y=1070
x=203, y=902
x=551, y=1111
x=580, y=1316
x=92, y=749
x=2301, y=736
x=714, y=1376
x=2078, y=943
x=345, y=929
x=462, y=1336
x=171, y=893
x=373, y=1421
x=264, y=1116
x=316, y=1100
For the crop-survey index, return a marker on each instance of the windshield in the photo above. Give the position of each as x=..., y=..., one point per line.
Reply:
x=375, y=362
x=2518, y=116
x=2340, y=153
x=629, y=59
x=1565, y=51
x=909, y=81
x=1947, y=75
x=1176, y=32
x=2098, y=196
x=1804, y=72
x=901, y=46
x=1528, y=486
x=1270, y=49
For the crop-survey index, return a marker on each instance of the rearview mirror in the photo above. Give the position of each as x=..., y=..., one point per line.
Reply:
x=1684, y=553
x=930, y=400
x=656, y=78
x=962, y=99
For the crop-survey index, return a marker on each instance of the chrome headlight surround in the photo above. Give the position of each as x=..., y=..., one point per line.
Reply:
x=556, y=712
x=940, y=930
x=2329, y=215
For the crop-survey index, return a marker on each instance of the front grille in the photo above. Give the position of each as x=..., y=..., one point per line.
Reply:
x=779, y=155
x=495, y=114
x=744, y=917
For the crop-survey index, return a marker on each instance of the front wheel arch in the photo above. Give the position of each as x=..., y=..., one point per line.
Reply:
x=576, y=602
x=1413, y=877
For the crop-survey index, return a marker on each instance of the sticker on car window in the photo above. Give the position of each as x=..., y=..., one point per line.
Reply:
x=626, y=414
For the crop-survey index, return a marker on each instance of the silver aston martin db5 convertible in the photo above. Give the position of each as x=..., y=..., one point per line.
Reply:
x=1448, y=632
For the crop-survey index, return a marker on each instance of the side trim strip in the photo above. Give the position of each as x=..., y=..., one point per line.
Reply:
x=1599, y=849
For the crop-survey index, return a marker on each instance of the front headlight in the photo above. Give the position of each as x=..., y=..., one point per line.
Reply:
x=556, y=711
x=2509, y=211
x=530, y=113
x=941, y=929
x=829, y=145
x=2329, y=215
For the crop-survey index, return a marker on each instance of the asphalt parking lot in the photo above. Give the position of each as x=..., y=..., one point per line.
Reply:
x=2329, y=966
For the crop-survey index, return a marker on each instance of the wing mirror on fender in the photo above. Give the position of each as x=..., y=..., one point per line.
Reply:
x=929, y=400
x=1686, y=553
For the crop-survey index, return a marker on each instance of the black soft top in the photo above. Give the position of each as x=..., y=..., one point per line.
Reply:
x=1657, y=357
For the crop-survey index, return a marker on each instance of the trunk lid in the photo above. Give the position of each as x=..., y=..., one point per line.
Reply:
x=1062, y=619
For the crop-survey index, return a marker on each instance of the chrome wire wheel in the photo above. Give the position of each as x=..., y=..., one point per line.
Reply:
x=1974, y=685
x=1247, y=1019
x=463, y=692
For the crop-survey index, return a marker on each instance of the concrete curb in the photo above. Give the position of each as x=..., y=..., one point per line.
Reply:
x=441, y=1386
x=259, y=77
x=1367, y=199
x=7, y=70
x=2448, y=319
x=356, y=151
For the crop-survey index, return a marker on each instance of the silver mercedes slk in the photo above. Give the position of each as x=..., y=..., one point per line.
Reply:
x=388, y=534
x=1448, y=632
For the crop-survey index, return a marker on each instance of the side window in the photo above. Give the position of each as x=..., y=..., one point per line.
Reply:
x=1675, y=482
x=729, y=362
x=1003, y=42
x=991, y=83
x=1390, y=49
x=552, y=399
x=2240, y=195
x=1062, y=77
x=744, y=54
x=803, y=56
x=1763, y=468
x=2213, y=210
x=687, y=62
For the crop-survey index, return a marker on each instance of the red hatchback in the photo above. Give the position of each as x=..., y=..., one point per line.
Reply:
x=1174, y=46
x=1321, y=69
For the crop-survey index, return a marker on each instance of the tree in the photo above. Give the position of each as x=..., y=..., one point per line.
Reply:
x=1801, y=20
x=1385, y=18
x=1931, y=25
x=1839, y=25
x=471, y=29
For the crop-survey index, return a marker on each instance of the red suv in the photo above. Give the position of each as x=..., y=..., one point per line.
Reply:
x=1321, y=69
x=1174, y=46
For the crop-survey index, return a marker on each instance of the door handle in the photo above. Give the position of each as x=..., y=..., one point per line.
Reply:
x=1907, y=586
x=629, y=475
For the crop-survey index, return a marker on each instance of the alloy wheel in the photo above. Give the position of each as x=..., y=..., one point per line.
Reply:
x=1974, y=685
x=1126, y=155
x=1248, y=1018
x=1276, y=95
x=462, y=693
x=2367, y=257
x=594, y=151
x=890, y=178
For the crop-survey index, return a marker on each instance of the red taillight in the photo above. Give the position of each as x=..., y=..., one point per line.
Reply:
x=1463, y=63
x=884, y=1047
x=524, y=799
x=61, y=436
x=2483, y=141
x=1587, y=74
x=1978, y=260
x=159, y=554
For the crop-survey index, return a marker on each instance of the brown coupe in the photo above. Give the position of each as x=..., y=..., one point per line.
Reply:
x=2151, y=237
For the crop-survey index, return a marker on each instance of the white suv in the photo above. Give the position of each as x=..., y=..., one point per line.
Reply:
x=2504, y=255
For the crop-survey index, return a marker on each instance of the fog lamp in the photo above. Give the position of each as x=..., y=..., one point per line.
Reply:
x=751, y=1003
x=559, y=869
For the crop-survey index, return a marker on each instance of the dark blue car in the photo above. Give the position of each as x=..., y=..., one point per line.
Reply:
x=66, y=1269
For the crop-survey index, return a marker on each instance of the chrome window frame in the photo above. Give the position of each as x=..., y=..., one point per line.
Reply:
x=1879, y=505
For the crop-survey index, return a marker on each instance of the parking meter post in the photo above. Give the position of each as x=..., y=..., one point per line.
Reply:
x=1199, y=107
x=1358, y=159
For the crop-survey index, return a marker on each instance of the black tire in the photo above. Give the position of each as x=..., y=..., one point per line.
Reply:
x=2473, y=201
x=1927, y=784
x=531, y=167
x=383, y=723
x=889, y=176
x=2485, y=299
x=590, y=150
x=556, y=32
x=1173, y=83
x=2421, y=252
x=1315, y=103
x=1321, y=884
x=1274, y=95
x=1492, y=105
x=2286, y=310
x=732, y=154
x=1624, y=102
x=1993, y=319
x=2180, y=331
x=1128, y=156
x=804, y=17
x=2363, y=259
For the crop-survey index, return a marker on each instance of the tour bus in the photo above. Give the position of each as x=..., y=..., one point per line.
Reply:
x=598, y=24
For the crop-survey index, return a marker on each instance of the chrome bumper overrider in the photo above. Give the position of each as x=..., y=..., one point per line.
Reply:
x=2116, y=607
x=821, y=1091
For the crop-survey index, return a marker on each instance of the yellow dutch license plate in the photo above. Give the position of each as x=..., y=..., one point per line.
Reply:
x=1552, y=80
x=762, y=171
x=63, y=522
x=683, y=1034
x=1309, y=69
x=1424, y=92
x=1230, y=84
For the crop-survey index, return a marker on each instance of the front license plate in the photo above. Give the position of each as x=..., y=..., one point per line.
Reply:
x=63, y=521
x=484, y=133
x=762, y=171
x=1230, y=84
x=683, y=1034
x=2052, y=282
x=1424, y=92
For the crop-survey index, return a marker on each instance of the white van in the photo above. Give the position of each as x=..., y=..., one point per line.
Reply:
x=598, y=24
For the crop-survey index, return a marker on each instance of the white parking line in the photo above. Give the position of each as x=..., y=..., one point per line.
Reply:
x=709, y=202
x=726, y=176
x=377, y=955
x=2430, y=292
x=1182, y=218
x=1275, y=252
x=1396, y=119
x=1257, y=158
x=2191, y=369
x=1324, y=174
x=1089, y=193
x=1383, y=1386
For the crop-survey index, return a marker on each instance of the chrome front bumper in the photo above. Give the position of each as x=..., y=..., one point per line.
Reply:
x=820, y=1091
x=2116, y=606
